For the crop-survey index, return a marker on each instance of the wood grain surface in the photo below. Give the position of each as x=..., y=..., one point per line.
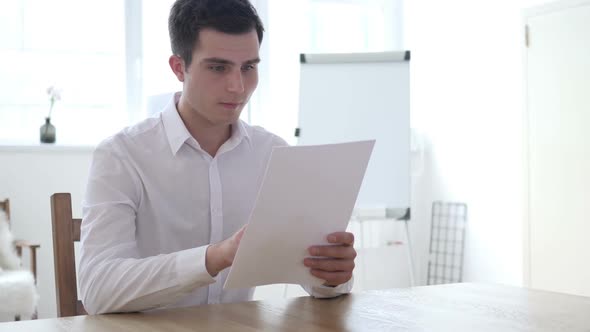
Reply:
x=455, y=307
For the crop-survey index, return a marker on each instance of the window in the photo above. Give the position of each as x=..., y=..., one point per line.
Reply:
x=158, y=80
x=292, y=27
x=315, y=26
x=348, y=26
x=76, y=45
x=110, y=58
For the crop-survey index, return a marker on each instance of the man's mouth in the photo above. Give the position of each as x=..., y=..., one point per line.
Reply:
x=230, y=105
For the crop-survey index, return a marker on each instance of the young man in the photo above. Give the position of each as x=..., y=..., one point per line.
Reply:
x=168, y=199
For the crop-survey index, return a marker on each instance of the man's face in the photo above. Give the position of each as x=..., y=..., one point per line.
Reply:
x=222, y=75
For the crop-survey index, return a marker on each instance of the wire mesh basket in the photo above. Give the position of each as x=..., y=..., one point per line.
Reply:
x=447, y=242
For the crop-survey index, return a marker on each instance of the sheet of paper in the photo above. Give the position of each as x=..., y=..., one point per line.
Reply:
x=307, y=193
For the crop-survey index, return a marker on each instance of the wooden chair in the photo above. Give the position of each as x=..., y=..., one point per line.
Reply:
x=66, y=231
x=22, y=244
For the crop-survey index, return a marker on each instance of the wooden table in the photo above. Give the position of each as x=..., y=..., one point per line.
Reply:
x=457, y=307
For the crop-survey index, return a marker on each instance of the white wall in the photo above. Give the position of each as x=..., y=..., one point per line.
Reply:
x=29, y=176
x=467, y=103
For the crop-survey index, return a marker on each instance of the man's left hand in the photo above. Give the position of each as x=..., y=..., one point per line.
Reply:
x=335, y=262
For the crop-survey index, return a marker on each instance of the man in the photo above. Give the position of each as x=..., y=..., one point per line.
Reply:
x=168, y=199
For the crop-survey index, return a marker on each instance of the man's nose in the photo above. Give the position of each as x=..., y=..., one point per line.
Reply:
x=235, y=82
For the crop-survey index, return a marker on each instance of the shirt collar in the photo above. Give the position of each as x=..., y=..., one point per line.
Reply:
x=177, y=134
x=239, y=132
x=175, y=130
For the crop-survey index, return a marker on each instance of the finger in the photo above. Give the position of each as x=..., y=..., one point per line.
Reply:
x=330, y=265
x=332, y=278
x=333, y=251
x=341, y=238
x=239, y=234
x=243, y=229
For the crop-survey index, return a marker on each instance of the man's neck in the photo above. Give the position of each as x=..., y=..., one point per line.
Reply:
x=210, y=136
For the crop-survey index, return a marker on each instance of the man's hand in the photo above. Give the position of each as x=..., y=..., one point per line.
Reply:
x=221, y=255
x=335, y=262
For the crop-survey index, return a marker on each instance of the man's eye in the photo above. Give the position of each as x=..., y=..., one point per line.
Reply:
x=217, y=68
x=248, y=67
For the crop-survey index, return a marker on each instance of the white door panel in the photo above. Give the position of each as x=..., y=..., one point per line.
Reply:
x=558, y=103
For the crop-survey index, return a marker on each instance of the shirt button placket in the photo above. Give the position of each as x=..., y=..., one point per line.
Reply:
x=216, y=210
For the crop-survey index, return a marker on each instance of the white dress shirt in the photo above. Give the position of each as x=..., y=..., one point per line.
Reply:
x=154, y=202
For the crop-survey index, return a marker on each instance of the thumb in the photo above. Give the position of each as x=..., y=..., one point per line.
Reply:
x=240, y=234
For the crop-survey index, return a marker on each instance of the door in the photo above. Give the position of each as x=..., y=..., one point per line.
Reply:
x=558, y=104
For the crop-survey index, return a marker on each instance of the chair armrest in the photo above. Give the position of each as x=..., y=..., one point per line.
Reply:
x=26, y=244
x=20, y=244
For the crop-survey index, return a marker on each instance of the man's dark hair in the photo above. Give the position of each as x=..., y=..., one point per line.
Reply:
x=189, y=17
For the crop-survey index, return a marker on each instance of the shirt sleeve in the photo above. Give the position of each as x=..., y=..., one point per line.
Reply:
x=321, y=292
x=112, y=276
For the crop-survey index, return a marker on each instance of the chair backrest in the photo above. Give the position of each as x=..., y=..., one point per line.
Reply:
x=66, y=231
x=5, y=206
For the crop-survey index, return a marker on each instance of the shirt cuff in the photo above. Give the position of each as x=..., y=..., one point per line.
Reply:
x=191, y=268
x=327, y=292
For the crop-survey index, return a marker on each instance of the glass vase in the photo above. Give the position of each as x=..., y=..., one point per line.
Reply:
x=47, y=132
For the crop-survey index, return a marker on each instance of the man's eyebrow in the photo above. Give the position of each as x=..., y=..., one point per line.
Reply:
x=252, y=62
x=228, y=62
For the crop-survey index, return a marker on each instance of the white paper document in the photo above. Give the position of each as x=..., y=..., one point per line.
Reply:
x=307, y=193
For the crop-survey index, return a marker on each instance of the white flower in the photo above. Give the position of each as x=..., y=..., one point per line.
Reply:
x=54, y=95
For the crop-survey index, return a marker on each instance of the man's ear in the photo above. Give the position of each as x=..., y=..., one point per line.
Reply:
x=177, y=65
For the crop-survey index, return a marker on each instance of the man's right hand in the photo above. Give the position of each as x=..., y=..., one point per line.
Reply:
x=221, y=255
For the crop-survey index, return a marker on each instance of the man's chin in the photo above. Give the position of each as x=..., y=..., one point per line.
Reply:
x=228, y=119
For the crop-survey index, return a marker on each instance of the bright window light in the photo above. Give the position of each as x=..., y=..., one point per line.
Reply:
x=76, y=45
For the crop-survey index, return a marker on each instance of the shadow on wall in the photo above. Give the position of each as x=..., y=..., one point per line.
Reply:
x=426, y=186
